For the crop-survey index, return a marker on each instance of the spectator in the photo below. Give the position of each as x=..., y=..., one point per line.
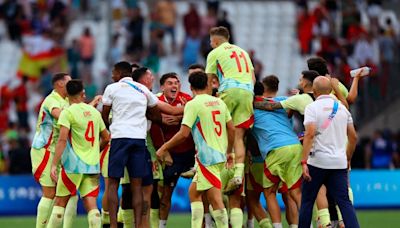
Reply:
x=191, y=20
x=223, y=21
x=191, y=49
x=381, y=151
x=366, y=48
x=305, y=24
x=258, y=66
x=74, y=57
x=135, y=28
x=45, y=82
x=86, y=47
x=10, y=10
x=166, y=9
x=21, y=99
x=115, y=50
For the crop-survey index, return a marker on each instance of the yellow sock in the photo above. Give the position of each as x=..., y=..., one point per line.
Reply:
x=127, y=216
x=221, y=218
x=105, y=217
x=265, y=223
x=239, y=170
x=119, y=216
x=236, y=218
x=197, y=214
x=56, y=218
x=324, y=217
x=43, y=212
x=351, y=196
x=94, y=218
x=154, y=218
x=70, y=212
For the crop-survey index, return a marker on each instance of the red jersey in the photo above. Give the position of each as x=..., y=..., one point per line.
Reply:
x=161, y=134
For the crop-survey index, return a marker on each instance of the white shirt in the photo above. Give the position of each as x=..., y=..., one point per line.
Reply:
x=329, y=148
x=128, y=106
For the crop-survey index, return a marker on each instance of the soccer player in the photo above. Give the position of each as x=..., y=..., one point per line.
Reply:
x=183, y=154
x=209, y=121
x=128, y=101
x=43, y=146
x=235, y=72
x=281, y=149
x=78, y=149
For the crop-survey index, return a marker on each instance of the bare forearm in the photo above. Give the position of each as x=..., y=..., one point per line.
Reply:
x=353, y=93
x=266, y=105
x=231, y=141
x=307, y=144
x=59, y=151
x=340, y=96
x=351, y=146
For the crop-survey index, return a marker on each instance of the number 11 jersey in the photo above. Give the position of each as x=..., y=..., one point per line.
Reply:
x=232, y=65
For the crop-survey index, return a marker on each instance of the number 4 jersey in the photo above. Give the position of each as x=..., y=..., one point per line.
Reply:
x=82, y=154
x=207, y=117
x=233, y=67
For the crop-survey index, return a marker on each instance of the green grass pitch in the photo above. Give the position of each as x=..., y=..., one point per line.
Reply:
x=367, y=219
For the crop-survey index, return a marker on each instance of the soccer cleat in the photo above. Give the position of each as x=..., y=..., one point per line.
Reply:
x=189, y=174
x=233, y=184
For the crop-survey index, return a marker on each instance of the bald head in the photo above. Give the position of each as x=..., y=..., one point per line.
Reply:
x=322, y=86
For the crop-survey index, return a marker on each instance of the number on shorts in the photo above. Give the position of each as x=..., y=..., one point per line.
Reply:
x=89, y=134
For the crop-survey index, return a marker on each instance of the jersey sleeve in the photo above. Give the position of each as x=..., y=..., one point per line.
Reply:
x=189, y=115
x=310, y=115
x=211, y=67
x=291, y=103
x=107, y=96
x=343, y=90
x=152, y=99
x=52, y=103
x=65, y=119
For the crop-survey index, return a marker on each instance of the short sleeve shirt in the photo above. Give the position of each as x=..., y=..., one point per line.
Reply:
x=129, y=101
x=232, y=65
x=207, y=116
x=297, y=102
x=329, y=148
x=85, y=124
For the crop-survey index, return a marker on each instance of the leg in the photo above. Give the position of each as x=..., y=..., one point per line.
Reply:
x=236, y=213
x=337, y=185
x=309, y=194
x=253, y=204
x=239, y=148
x=137, y=200
x=196, y=206
x=292, y=215
x=113, y=184
x=70, y=212
x=322, y=205
x=105, y=216
x=90, y=204
x=273, y=207
x=155, y=206
x=45, y=205
x=214, y=196
x=165, y=201
x=57, y=215
x=147, y=192
x=207, y=216
x=126, y=210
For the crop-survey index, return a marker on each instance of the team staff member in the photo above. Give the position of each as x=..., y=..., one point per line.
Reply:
x=325, y=156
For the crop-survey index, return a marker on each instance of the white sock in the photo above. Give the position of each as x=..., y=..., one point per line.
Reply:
x=250, y=223
x=208, y=220
x=163, y=224
x=277, y=225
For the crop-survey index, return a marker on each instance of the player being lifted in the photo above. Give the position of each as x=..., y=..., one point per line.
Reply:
x=209, y=121
x=78, y=148
x=235, y=73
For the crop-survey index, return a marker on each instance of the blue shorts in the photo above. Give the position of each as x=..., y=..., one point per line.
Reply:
x=182, y=163
x=129, y=153
x=148, y=179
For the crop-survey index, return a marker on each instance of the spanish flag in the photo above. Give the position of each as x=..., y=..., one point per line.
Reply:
x=31, y=65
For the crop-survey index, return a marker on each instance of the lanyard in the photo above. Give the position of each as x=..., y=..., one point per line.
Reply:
x=328, y=121
x=134, y=87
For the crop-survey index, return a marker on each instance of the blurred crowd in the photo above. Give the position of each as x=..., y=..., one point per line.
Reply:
x=348, y=34
x=351, y=34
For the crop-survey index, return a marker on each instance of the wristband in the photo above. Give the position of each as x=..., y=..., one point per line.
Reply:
x=304, y=162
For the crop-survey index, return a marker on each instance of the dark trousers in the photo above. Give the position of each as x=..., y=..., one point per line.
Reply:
x=336, y=181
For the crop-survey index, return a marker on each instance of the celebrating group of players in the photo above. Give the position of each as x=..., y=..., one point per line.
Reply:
x=232, y=152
